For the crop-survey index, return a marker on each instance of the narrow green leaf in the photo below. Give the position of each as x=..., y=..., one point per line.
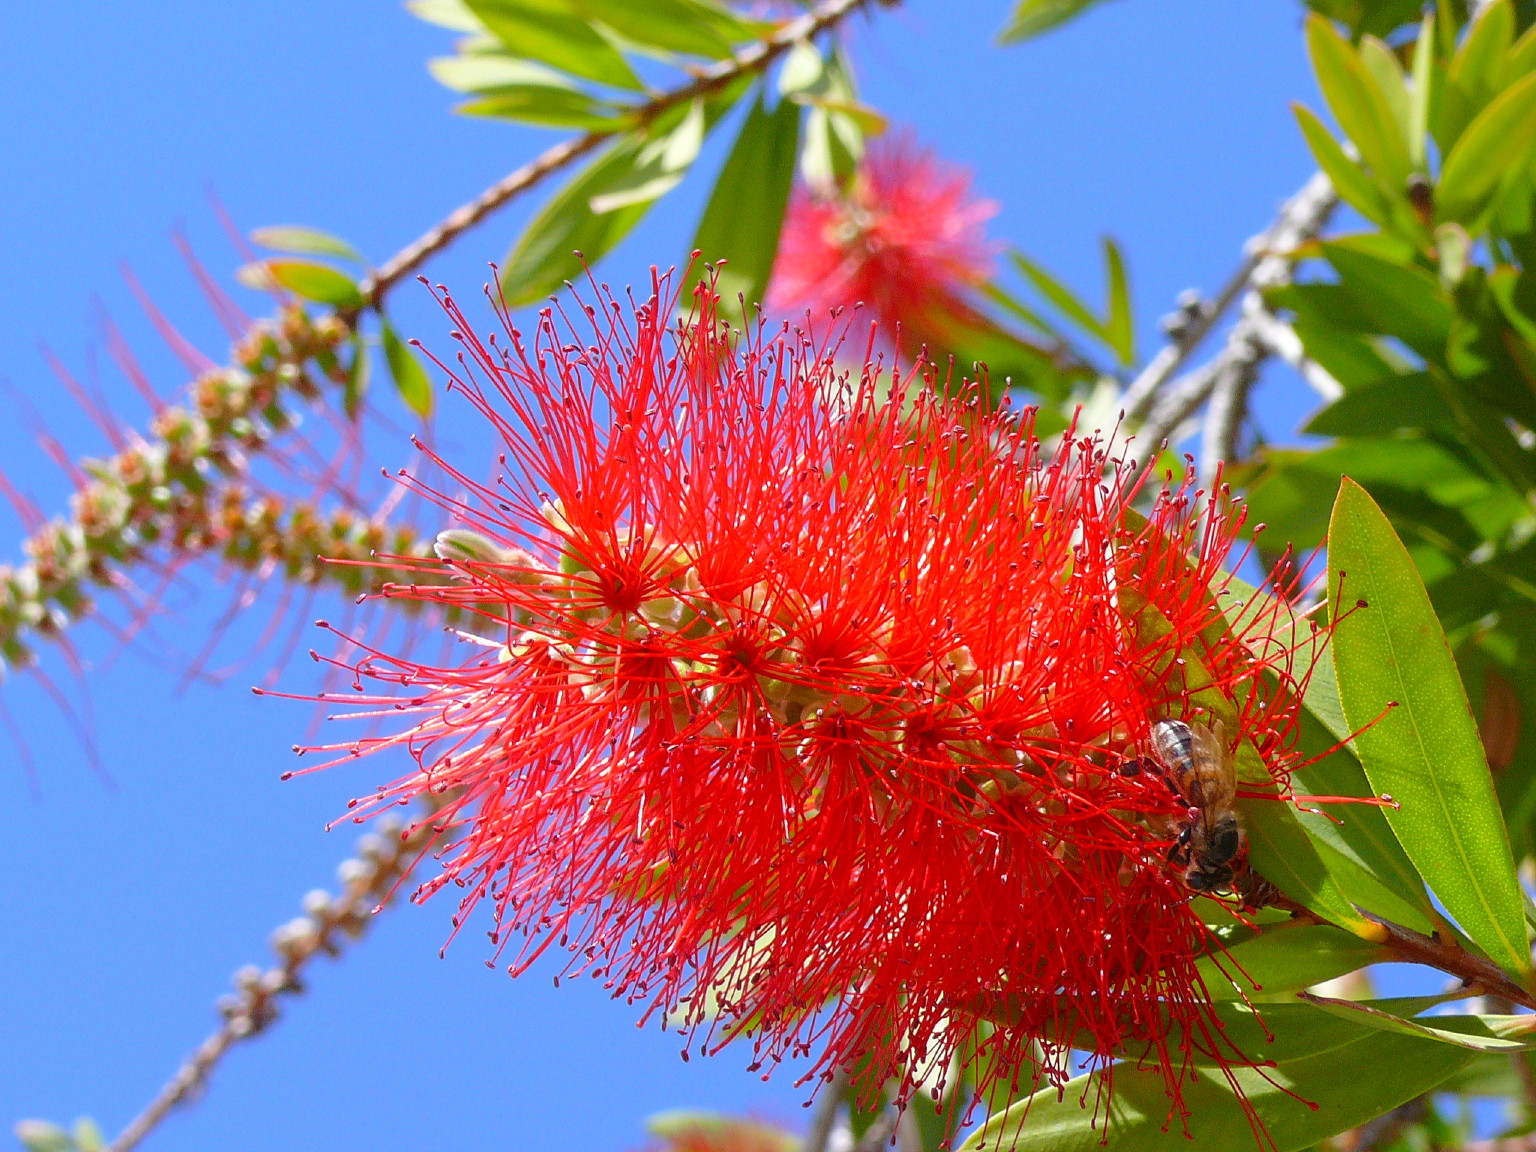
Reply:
x=411, y=379
x=1282, y=852
x=694, y=27
x=1062, y=298
x=1357, y=189
x=1478, y=1039
x=452, y=14
x=1330, y=1074
x=295, y=238
x=1494, y=147
x=356, y=390
x=551, y=31
x=549, y=107
x=1475, y=71
x=1286, y=958
x=1406, y=302
x=494, y=71
x=542, y=258
x=1520, y=59
x=660, y=164
x=1358, y=104
x=1382, y=65
x=1408, y=401
x=1119, y=327
x=318, y=282
x=1421, y=95
x=1032, y=17
x=88, y=1137
x=745, y=213
x=1425, y=751
x=719, y=1129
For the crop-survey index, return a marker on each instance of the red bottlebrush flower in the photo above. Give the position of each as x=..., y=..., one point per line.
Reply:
x=905, y=240
x=811, y=705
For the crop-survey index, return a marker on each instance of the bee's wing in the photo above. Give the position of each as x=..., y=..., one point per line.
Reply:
x=1217, y=770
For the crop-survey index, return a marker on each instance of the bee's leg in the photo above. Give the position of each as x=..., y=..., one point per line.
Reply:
x=1178, y=851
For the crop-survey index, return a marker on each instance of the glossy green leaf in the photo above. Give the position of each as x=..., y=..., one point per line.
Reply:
x=295, y=238
x=833, y=142
x=411, y=379
x=552, y=32
x=1495, y=146
x=542, y=258
x=494, y=71
x=1330, y=1074
x=1464, y=1032
x=549, y=107
x=1119, y=327
x=318, y=282
x=694, y=27
x=88, y=1137
x=1032, y=17
x=660, y=164
x=1286, y=958
x=745, y=213
x=1281, y=851
x=1425, y=751
x=1356, y=189
x=1358, y=104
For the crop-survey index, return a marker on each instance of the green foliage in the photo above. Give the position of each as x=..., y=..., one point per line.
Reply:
x=1329, y=1074
x=411, y=380
x=317, y=282
x=1032, y=17
x=1415, y=733
x=745, y=213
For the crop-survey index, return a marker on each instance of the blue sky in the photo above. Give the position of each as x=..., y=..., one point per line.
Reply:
x=128, y=904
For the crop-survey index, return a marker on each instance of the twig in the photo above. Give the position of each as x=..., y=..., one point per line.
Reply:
x=368, y=881
x=825, y=1115
x=1267, y=263
x=717, y=76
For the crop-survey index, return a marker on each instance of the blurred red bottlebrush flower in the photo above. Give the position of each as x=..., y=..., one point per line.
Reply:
x=905, y=240
x=808, y=702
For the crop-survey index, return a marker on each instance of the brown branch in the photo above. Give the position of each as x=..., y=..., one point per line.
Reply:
x=369, y=880
x=752, y=59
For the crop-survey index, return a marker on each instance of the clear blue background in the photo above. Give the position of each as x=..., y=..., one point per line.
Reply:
x=126, y=905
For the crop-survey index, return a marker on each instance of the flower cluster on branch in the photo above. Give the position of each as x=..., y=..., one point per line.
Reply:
x=814, y=703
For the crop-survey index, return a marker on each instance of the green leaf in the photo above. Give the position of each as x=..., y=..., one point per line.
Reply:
x=1474, y=73
x=550, y=107
x=1282, y=852
x=356, y=389
x=1357, y=189
x=411, y=379
x=1062, y=298
x=720, y=1130
x=493, y=71
x=294, y=238
x=1425, y=751
x=1467, y=1031
x=550, y=31
x=542, y=258
x=660, y=164
x=1421, y=96
x=694, y=27
x=1408, y=401
x=41, y=1136
x=1495, y=146
x=745, y=213
x=1400, y=301
x=1330, y=1074
x=833, y=142
x=454, y=14
x=1286, y=958
x=88, y=1137
x=318, y=282
x=1119, y=328
x=1032, y=17
x=1382, y=65
x=1358, y=104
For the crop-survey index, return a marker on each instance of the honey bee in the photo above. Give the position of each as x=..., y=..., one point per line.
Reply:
x=1197, y=764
